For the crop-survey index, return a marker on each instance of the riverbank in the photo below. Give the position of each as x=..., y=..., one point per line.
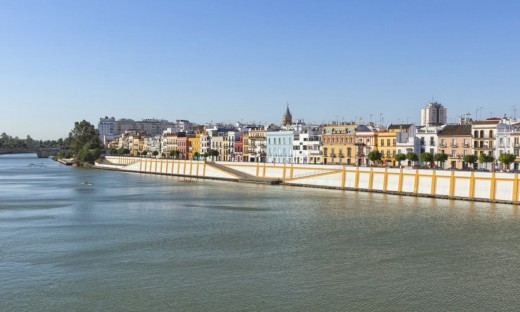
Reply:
x=457, y=185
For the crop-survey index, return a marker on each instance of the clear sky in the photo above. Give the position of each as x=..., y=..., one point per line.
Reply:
x=219, y=60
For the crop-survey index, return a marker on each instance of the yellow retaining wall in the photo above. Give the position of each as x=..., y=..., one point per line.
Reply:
x=487, y=186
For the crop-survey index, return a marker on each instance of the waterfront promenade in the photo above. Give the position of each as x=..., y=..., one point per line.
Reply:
x=460, y=185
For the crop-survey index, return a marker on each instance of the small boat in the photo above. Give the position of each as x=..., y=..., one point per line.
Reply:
x=87, y=183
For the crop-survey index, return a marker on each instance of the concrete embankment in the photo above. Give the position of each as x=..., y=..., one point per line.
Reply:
x=462, y=185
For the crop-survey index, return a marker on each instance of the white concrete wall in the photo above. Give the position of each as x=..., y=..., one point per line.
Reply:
x=444, y=183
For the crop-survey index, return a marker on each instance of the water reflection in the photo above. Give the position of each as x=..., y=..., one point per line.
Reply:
x=132, y=242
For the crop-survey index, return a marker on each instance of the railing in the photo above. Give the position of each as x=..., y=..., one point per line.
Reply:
x=484, y=137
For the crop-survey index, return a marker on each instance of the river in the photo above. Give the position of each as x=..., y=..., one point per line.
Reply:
x=136, y=242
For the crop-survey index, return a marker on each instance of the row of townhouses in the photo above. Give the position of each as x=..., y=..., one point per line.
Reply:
x=345, y=143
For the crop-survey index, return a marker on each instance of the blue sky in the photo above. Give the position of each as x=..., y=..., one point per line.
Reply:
x=64, y=61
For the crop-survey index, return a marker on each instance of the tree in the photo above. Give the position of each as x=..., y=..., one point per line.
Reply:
x=196, y=155
x=84, y=133
x=155, y=153
x=29, y=142
x=470, y=159
x=411, y=156
x=506, y=159
x=213, y=153
x=400, y=157
x=483, y=158
x=144, y=153
x=175, y=154
x=427, y=158
x=88, y=155
x=441, y=157
x=374, y=156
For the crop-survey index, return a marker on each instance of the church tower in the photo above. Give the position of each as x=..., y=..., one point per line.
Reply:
x=287, y=117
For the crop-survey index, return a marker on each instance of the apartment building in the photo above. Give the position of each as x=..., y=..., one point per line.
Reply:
x=455, y=141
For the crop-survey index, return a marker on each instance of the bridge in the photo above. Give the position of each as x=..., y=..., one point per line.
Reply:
x=41, y=152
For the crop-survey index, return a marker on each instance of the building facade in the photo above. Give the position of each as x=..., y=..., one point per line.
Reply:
x=279, y=147
x=433, y=115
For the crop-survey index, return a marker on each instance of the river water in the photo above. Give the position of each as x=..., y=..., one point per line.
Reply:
x=131, y=242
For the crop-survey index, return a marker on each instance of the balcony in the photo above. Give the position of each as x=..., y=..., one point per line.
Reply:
x=484, y=137
x=454, y=145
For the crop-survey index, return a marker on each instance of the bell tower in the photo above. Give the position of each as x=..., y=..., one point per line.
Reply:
x=287, y=117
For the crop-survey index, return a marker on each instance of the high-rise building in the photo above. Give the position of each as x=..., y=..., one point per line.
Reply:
x=434, y=115
x=107, y=129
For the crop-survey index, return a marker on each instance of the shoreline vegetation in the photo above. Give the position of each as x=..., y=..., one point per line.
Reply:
x=82, y=147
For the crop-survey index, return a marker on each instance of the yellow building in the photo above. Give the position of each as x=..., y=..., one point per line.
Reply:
x=386, y=145
x=194, y=150
x=338, y=143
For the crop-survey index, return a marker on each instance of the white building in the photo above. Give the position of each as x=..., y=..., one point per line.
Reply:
x=434, y=114
x=428, y=139
x=307, y=146
x=407, y=140
x=107, y=129
x=279, y=146
x=205, y=143
x=153, y=144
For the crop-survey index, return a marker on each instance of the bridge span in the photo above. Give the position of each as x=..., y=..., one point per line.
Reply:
x=41, y=152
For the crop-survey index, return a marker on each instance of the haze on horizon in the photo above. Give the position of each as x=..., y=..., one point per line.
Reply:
x=65, y=61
